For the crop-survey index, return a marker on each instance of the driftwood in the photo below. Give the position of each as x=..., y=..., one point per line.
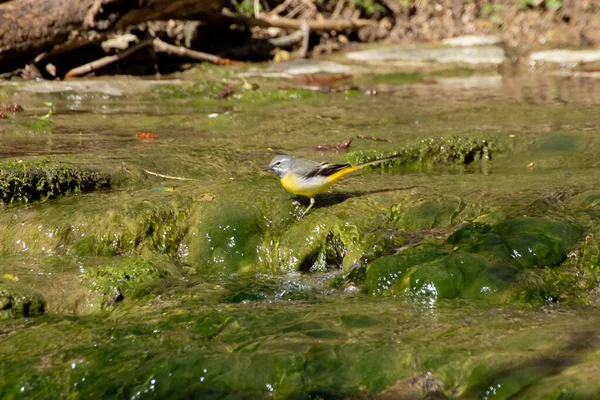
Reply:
x=31, y=27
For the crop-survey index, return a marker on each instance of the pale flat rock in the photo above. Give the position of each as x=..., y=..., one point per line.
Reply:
x=472, y=82
x=301, y=67
x=423, y=54
x=565, y=56
x=113, y=87
x=472, y=40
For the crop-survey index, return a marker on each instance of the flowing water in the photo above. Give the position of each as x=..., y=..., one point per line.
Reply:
x=465, y=270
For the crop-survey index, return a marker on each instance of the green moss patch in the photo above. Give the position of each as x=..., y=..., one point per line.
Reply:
x=19, y=301
x=40, y=180
x=433, y=151
x=127, y=277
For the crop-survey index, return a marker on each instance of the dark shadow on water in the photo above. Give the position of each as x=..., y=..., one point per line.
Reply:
x=331, y=199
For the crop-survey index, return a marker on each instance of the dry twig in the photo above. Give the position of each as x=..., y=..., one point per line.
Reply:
x=160, y=45
x=104, y=61
x=344, y=145
x=375, y=138
x=178, y=178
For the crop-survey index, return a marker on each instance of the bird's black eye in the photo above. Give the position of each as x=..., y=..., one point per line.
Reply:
x=278, y=163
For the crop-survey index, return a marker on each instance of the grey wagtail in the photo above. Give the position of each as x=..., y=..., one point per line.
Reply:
x=309, y=178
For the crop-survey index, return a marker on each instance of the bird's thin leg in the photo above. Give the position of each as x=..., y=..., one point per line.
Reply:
x=312, y=203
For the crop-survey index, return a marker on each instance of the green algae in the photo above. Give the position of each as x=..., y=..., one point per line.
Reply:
x=441, y=211
x=336, y=348
x=481, y=261
x=17, y=300
x=40, y=180
x=228, y=240
x=126, y=278
x=458, y=151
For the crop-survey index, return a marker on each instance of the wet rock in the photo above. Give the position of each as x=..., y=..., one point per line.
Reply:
x=565, y=57
x=39, y=180
x=421, y=54
x=428, y=213
x=128, y=277
x=309, y=246
x=458, y=151
x=302, y=67
x=418, y=387
x=112, y=87
x=477, y=261
x=19, y=301
x=229, y=237
x=472, y=40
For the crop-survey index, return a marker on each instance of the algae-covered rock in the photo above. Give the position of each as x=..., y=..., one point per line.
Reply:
x=317, y=245
x=427, y=213
x=250, y=288
x=528, y=242
x=457, y=151
x=228, y=238
x=39, y=180
x=477, y=261
x=128, y=277
x=19, y=301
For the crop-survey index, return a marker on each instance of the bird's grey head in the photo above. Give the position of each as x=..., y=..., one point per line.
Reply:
x=280, y=165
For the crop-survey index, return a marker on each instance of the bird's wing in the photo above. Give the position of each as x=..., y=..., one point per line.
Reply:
x=323, y=169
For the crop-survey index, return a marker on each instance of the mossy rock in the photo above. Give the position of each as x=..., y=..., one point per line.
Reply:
x=479, y=261
x=386, y=271
x=40, y=180
x=228, y=239
x=19, y=301
x=433, y=151
x=251, y=288
x=204, y=89
x=129, y=277
x=431, y=213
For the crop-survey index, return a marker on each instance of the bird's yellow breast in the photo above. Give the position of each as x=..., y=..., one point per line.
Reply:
x=306, y=187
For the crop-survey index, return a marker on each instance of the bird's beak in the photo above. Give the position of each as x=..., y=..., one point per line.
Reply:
x=268, y=169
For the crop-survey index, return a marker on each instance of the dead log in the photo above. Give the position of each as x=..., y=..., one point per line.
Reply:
x=31, y=27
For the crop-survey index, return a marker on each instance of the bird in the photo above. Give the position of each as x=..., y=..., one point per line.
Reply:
x=309, y=178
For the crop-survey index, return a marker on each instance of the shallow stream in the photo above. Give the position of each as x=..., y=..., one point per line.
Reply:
x=465, y=269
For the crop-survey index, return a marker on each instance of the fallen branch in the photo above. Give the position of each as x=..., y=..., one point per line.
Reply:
x=287, y=23
x=104, y=61
x=287, y=41
x=281, y=7
x=159, y=45
x=305, y=39
x=178, y=178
